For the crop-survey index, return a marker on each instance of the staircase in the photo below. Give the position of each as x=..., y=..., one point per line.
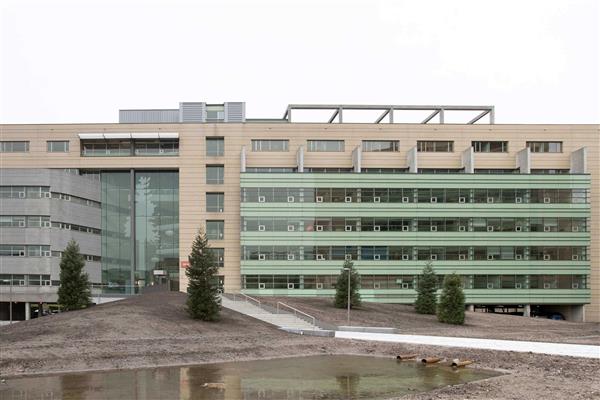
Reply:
x=282, y=316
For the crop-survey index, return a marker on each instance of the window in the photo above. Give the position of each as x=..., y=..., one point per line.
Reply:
x=539, y=171
x=58, y=146
x=219, y=256
x=215, y=112
x=214, y=202
x=215, y=230
x=103, y=148
x=7, y=250
x=437, y=146
x=496, y=171
x=328, y=170
x=126, y=148
x=270, y=144
x=215, y=147
x=14, y=147
x=15, y=221
x=545, y=147
x=385, y=170
x=490, y=147
x=380, y=145
x=214, y=174
x=23, y=192
x=156, y=147
x=325, y=145
x=440, y=170
x=269, y=170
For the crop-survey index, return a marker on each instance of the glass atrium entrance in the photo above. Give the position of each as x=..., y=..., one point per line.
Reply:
x=140, y=230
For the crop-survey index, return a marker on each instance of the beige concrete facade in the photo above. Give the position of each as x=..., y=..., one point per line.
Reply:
x=192, y=161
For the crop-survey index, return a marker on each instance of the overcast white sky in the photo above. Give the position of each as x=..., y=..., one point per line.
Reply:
x=537, y=61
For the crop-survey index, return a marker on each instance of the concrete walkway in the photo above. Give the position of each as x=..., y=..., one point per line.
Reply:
x=283, y=320
x=560, y=349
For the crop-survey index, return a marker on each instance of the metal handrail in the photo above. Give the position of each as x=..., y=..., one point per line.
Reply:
x=247, y=298
x=296, y=311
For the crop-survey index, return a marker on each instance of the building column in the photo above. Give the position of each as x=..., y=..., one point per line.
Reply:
x=299, y=159
x=412, y=160
x=357, y=159
x=243, y=159
x=579, y=161
x=468, y=160
x=27, y=311
x=523, y=161
x=527, y=310
x=471, y=307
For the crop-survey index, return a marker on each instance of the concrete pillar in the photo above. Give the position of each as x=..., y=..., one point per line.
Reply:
x=579, y=161
x=471, y=307
x=300, y=159
x=27, y=311
x=243, y=159
x=523, y=161
x=578, y=313
x=468, y=160
x=357, y=159
x=412, y=160
x=527, y=310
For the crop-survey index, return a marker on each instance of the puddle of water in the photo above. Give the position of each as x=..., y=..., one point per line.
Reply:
x=314, y=377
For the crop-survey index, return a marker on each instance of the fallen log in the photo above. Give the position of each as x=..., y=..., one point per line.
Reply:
x=403, y=357
x=217, y=385
x=430, y=360
x=459, y=364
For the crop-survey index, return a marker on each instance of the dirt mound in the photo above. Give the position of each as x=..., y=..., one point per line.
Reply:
x=152, y=315
x=144, y=330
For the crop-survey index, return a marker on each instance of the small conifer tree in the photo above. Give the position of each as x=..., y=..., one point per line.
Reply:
x=451, y=308
x=74, y=290
x=426, y=291
x=203, y=289
x=341, y=287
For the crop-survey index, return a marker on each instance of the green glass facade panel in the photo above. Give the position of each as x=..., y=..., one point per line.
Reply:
x=508, y=181
x=412, y=267
x=412, y=239
x=280, y=239
x=413, y=210
x=472, y=296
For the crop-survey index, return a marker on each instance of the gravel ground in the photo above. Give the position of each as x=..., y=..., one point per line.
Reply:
x=477, y=324
x=153, y=330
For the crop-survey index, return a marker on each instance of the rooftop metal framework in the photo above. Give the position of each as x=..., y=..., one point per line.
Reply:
x=388, y=111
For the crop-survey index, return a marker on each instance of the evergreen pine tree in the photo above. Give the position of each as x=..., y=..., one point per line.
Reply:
x=203, y=289
x=426, y=291
x=74, y=290
x=341, y=287
x=451, y=308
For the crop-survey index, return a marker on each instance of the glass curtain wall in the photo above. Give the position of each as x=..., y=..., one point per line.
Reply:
x=155, y=228
x=116, y=231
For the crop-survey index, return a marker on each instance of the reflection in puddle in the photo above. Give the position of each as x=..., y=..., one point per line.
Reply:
x=315, y=377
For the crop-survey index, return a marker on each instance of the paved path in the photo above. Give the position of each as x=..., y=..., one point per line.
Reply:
x=574, y=350
x=282, y=320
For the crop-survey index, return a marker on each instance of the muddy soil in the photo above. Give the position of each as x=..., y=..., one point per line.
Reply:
x=477, y=324
x=154, y=330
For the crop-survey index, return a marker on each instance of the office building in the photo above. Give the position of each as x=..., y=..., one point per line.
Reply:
x=509, y=207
